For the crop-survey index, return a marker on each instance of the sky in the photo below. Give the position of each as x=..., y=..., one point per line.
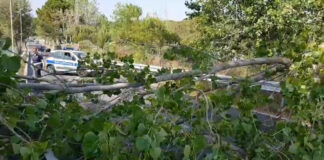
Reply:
x=164, y=9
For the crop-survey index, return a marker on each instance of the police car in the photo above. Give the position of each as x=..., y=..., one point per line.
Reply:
x=63, y=61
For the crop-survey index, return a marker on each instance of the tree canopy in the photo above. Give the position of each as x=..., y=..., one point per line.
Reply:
x=149, y=32
x=51, y=19
x=257, y=28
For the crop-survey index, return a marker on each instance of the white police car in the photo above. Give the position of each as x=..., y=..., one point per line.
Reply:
x=63, y=61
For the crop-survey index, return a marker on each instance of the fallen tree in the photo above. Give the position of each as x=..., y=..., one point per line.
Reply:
x=138, y=121
x=161, y=78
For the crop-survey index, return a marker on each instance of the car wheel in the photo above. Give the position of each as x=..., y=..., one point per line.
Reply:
x=82, y=72
x=51, y=69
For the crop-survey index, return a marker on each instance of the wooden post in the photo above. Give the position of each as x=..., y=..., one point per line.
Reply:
x=11, y=24
x=21, y=33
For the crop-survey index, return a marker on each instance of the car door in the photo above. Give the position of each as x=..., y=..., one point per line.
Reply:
x=56, y=59
x=63, y=61
x=70, y=61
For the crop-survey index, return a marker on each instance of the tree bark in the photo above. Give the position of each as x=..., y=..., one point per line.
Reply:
x=67, y=89
x=224, y=66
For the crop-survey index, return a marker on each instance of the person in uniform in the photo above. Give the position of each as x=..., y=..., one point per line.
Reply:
x=37, y=61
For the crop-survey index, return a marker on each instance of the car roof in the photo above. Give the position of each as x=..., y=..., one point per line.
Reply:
x=60, y=51
x=66, y=51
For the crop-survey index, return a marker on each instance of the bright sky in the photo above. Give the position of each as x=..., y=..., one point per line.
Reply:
x=164, y=9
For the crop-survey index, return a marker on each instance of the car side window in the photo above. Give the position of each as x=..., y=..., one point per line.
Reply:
x=59, y=55
x=67, y=56
x=55, y=55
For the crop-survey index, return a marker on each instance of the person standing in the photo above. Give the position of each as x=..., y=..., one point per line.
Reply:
x=37, y=61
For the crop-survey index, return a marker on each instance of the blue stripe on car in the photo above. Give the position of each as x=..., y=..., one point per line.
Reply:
x=61, y=63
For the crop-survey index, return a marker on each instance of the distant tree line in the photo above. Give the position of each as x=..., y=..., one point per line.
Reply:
x=65, y=21
x=23, y=26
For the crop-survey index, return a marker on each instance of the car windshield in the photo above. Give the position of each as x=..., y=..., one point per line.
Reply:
x=81, y=55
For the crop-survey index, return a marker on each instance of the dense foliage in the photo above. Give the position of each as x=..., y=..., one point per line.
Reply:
x=185, y=118
x=149, y=32
x=78, y=22
x=169, y=124
x=257, y=28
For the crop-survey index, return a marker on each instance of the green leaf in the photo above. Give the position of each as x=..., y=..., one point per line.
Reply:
x=16, y=148
x=286, y=131
x=199, y=143
x=155, y=152
x=293, y=148
x=318, y=155
x=42, y=103
x=186, y=152
x=25, y=152
x=141, y=129
x=108, y=126
x=119, y=130
x=11, y=64
x=97, y=124
x=89, y=144
x=78, y=137
x=39, y=147
x=34, y=156
x=262, y=52
x=160, y=136
x=31, y=121
x=103, y=142
x=143, y=143
x=13, y=121
x=247, y=127
x=115, y=142
x=14, y=139
x=54, y=120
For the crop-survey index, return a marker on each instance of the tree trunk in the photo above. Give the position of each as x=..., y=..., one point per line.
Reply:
x=175, y=76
